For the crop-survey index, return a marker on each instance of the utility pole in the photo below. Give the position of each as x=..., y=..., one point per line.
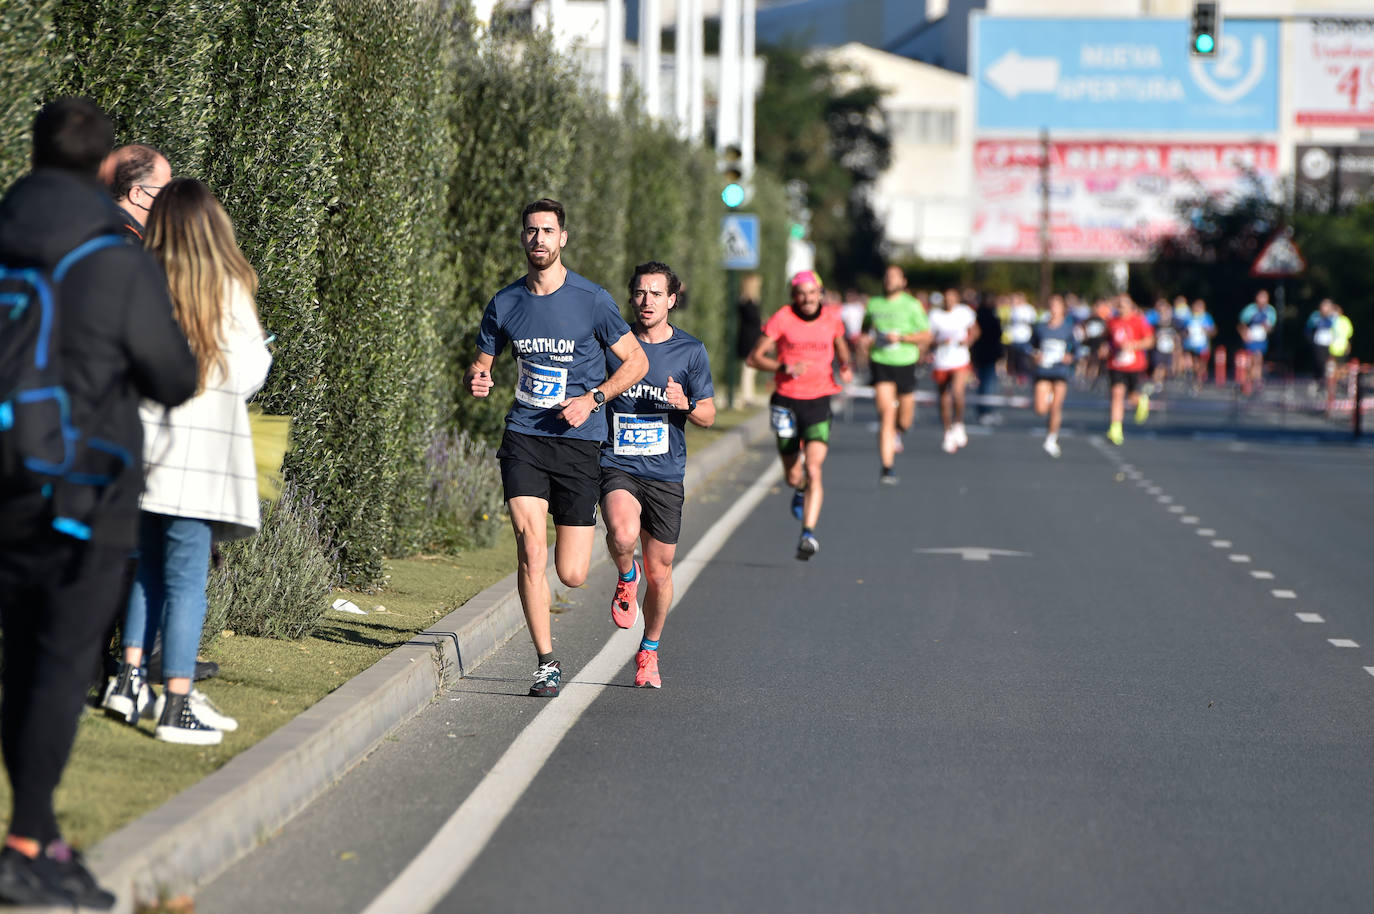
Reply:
x=650, y=38
x=727, y=104
x=1046, y=264
x=696, y=110
x=614, y=52
x=682, y=69
x=747, y=87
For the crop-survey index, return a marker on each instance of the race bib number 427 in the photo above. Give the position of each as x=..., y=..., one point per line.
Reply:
x=542, y=386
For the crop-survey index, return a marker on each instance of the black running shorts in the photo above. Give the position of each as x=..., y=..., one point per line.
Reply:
x=565, y=472
x=1130, y=378
x=904, y=376
x=660, y=503
x=810, y=421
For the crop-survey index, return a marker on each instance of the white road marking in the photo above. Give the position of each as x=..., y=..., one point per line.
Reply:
x=975, y=553
x=1284, y=594
x=1262, y=575
x=1221, y=544
x=1313, y=618
x=1342, y=642
x=1177, y=509
x=1154, y=490
x=442, y=863
x=1206, y=531
x=1190, y=519
x=1369, y=670
x=1242, y=559
x=1165, y=499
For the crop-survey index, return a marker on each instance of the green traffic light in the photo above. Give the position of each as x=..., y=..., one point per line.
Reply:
x=1205, y=43
x=797, y=231
x=733, y=195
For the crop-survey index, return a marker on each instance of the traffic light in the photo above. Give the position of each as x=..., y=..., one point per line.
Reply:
x=732, y=171
x=1206, y=31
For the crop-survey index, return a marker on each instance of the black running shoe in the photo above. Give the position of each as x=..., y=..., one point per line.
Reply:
x=807, y=546
x=888, y=478
x=58, y=876
x=547, y=679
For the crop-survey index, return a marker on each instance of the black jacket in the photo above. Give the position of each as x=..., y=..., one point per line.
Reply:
x=119, y=341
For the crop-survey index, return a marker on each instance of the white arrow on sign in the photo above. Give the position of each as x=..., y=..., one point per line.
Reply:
x=975, y=553
x=1013, y=74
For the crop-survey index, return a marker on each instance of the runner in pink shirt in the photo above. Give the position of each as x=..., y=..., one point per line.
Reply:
x=800, y=344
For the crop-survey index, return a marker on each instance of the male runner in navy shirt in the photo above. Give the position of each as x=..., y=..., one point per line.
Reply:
x=644, y=459
x=560, y=327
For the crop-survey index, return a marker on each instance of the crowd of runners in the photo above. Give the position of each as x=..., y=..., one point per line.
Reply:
x=600, y=406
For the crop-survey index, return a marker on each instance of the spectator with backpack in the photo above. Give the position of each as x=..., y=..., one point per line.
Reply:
x=90, y=328
x=202, y=479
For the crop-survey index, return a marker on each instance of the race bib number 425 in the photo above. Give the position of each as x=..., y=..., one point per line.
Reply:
x=541, y=385
x=640, y=435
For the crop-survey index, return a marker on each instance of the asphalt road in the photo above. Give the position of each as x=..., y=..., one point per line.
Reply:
x=1129, y=714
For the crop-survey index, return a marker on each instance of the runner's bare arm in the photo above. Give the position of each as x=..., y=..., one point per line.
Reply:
x=842, y=353
x=764, y=355
x=634, y=364
x=478, y=377
x=703, y=414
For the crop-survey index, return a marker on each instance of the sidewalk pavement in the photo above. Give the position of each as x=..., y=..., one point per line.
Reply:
x=207, y=828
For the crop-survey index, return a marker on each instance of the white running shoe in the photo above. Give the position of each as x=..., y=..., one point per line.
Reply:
x=949, y=446
x=1052, y=447
x=203, y=708
x=960, y=436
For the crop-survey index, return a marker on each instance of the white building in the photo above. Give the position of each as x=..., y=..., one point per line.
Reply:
x=924, y=198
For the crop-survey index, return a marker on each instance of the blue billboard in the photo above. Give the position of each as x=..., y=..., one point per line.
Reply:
x=1136, y=75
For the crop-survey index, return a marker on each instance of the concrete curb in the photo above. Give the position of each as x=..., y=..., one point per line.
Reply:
x=205, y=829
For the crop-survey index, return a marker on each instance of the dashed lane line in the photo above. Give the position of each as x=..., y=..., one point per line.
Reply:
x=1262, y=575
x=1222, y=544
x=1239, y=559
x=1284, y=594
x=1312, y=618
x=1206, y=531
x=1342, y=642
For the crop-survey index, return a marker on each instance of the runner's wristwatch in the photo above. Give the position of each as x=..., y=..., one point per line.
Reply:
x=598, y=398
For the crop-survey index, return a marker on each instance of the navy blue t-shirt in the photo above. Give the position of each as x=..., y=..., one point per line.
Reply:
x=646, y=434
x=560, y=342
x=1053, y=343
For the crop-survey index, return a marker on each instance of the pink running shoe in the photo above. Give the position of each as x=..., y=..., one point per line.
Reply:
x=646, y=670
x=625, y=603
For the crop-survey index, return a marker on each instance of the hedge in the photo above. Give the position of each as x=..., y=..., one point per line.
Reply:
x=375, y=155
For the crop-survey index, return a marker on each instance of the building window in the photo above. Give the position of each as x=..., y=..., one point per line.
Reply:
x=922, y=126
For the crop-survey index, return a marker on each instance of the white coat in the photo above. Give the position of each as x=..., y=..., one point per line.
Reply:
x=198, y=456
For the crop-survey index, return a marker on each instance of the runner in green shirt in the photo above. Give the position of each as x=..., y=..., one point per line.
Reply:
x=899, y=326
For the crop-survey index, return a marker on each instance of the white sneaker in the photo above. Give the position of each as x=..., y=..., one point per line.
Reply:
x=960, y=436
x=948, y=446
x=203, y=708
x=1052, y=447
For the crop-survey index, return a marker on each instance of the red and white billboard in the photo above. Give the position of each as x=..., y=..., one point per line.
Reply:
x=1108, y=200
x=1333, y=68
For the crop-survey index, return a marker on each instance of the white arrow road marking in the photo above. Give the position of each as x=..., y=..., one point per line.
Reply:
x=974, y=553
x=437, y=868
x=1013, y=74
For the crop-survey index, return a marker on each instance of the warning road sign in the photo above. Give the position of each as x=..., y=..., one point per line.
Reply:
x=1280, y=258
x=739, y=241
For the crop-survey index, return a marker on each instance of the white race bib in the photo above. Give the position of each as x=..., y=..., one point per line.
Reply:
x=784, y=422
x=1020, y=333
x=1257, y=333
x=541, y=385
x=1124, y=358
x=1052, y=353
x=1323, y=336
x=643, y=435
x=1165, y=343
x=1197, y=337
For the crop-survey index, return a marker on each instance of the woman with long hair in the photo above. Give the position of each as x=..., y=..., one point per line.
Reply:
x=201, y=478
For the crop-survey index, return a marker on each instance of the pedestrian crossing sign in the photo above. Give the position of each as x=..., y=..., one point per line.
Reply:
x=739, y=241
x=1279, y=258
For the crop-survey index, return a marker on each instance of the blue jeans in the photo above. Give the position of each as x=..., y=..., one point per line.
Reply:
x=169, y=590
x=987, y=384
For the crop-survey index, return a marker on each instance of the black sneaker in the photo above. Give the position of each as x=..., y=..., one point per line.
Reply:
x=547, y=679
x=58, y=876
x=888, y=478
x=807, y=546
x=128, y=697
x=179, y=723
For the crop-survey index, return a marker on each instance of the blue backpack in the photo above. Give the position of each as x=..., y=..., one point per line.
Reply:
x=41, y=448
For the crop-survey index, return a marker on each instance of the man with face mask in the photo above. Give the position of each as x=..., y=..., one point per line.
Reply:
x=800, y=343
x=559, y=326
x=135, y=174
x=644, y=460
